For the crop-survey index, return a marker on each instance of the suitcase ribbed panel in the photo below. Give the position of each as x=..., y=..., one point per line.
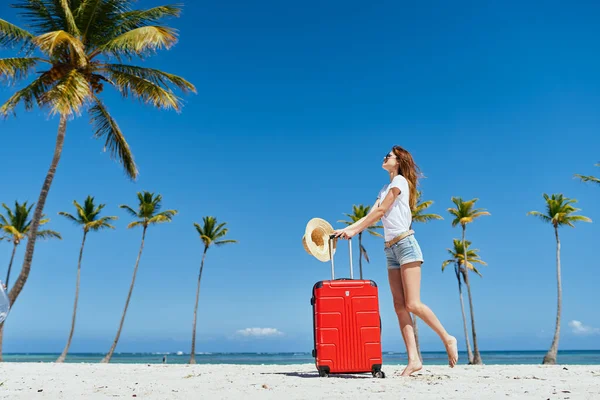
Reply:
x=347, y=326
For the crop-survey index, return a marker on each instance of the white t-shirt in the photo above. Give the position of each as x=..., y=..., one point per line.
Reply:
x=398, y=218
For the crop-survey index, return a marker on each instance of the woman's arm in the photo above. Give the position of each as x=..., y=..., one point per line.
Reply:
x=373, y=216
x=354, y=225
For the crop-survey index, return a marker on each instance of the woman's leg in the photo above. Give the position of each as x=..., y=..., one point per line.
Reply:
x=406, y=325
x=411, y=280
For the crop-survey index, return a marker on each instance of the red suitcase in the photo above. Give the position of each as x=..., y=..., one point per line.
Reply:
x=347, y=325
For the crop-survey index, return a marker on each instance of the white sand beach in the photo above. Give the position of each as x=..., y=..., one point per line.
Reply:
x=142, y=381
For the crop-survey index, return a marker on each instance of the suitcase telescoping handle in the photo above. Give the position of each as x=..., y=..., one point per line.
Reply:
x=331, y=239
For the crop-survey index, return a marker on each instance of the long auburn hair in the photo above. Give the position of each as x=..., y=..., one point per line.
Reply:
x=409, y=170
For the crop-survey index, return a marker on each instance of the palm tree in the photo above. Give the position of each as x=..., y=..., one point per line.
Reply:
x=589, y=178
x=458, y=257
x=16, y=227
x=75, y=47
x=88, y=219
x=464, y=214
x=210, y=233
x=559, y=212
x=359, y=212
x=419, y=215
x=148, y=214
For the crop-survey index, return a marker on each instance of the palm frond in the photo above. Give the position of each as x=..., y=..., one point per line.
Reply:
x=160, y=78
x=218, y=230
x=81, y=211
x=207, y=240
x=140, y=41
x=138, y=18
x=472, y=268
x=129, y=210
x=538, y=214
x=458, y=256
x=363, y=252
x=570, y=219
x=479, y=214
x=54, y=44
x=588, y=178
x=106, y=126
x=168, y=213
x=199, y=228
x=40, y=14
x=426, y=217
x=69, y=217
x=144, y=90
x=165, y=216
x=418, y=213
x=11, y=35
x=210, y=231
x=29, y=95
x=464, y=213
x=134, y=224
x=48, y=234
x=15, y=69
x=222, y=242
x=559, y=211
x=69, y=95
x=100, y=224
x=11, y=230
x=69, y=19
x=376, y=234
x=446, y=263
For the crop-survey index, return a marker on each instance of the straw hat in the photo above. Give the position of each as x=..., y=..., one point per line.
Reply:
x=316, y=239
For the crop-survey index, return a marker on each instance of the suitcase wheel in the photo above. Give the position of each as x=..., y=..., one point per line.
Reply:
x=378, y=374
x=324, y=372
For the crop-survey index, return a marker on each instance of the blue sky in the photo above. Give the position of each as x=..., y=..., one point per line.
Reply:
x=297, y=104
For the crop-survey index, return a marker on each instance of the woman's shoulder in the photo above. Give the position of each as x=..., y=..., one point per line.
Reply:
x=399, y=180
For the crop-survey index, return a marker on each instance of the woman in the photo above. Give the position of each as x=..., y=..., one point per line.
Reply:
x=404, y=258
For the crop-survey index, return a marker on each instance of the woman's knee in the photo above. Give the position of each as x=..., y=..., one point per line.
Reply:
x=414, y=307
x=399, y=306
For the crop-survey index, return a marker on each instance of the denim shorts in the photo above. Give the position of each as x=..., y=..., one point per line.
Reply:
x=405, y=251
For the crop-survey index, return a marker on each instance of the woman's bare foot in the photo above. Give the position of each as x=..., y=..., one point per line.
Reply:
x=412, y=367
x=452, y=350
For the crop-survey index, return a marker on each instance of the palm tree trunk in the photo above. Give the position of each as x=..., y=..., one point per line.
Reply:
x=1, y=334
x=416, y=331
x=108, y=356
x=476, y=355
x=12, y=257
x=464, y=317
x=360, y=255
x=37, y=217
x=62, y=357
x=193, y=352
x=550, y=357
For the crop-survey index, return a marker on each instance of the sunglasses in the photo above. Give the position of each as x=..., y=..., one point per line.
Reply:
x=388, y=156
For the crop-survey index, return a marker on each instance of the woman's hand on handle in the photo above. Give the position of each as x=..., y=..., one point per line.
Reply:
x=346, y=233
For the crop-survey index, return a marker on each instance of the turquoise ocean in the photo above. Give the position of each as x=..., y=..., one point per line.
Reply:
x=571, y=357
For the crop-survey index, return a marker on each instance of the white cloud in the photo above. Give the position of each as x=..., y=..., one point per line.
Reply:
x=259, y=332
x=580, y=329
